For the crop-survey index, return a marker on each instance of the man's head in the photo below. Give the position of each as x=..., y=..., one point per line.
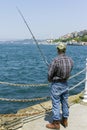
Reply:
x=61, y=47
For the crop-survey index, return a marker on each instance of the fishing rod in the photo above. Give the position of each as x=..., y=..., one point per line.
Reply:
x=44, y=59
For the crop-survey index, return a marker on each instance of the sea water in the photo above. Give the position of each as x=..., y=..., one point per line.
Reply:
x=22, y=63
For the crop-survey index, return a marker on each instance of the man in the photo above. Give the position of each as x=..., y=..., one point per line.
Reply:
x=58, y=74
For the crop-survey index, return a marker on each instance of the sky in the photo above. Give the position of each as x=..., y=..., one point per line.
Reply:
x=47, y=19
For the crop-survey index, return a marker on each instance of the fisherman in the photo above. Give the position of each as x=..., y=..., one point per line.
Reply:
x=58, y=74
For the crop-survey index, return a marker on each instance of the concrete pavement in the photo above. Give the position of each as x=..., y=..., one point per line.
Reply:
x=77, y=120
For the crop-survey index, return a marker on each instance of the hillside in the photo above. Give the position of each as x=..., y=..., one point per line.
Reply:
x=74, y=36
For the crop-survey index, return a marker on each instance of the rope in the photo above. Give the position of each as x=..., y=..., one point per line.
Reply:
x=29, y=85
x=77, y=74
x=25, y=114
x=36, y=85
x=29, y=116
x=37, y=99
x=23, y=85
x=77, y=85
x=25, y=100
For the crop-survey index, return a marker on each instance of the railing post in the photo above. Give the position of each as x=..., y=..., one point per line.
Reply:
x=85, y=93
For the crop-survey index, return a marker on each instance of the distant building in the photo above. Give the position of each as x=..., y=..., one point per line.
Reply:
x=49, y=40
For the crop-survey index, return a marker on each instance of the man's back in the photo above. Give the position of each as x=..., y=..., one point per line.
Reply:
x=60, y=68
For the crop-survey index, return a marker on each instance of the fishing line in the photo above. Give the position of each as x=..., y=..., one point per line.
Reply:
x=44, y=59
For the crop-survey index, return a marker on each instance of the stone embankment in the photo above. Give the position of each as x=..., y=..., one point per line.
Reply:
x=22, y=117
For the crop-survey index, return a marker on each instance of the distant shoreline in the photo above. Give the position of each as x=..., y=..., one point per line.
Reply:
x=43, y=42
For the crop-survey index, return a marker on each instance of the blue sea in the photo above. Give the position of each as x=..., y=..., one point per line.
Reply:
x=22, y=63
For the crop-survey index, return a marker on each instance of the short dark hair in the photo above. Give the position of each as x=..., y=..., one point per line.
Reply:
x=62, y=50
